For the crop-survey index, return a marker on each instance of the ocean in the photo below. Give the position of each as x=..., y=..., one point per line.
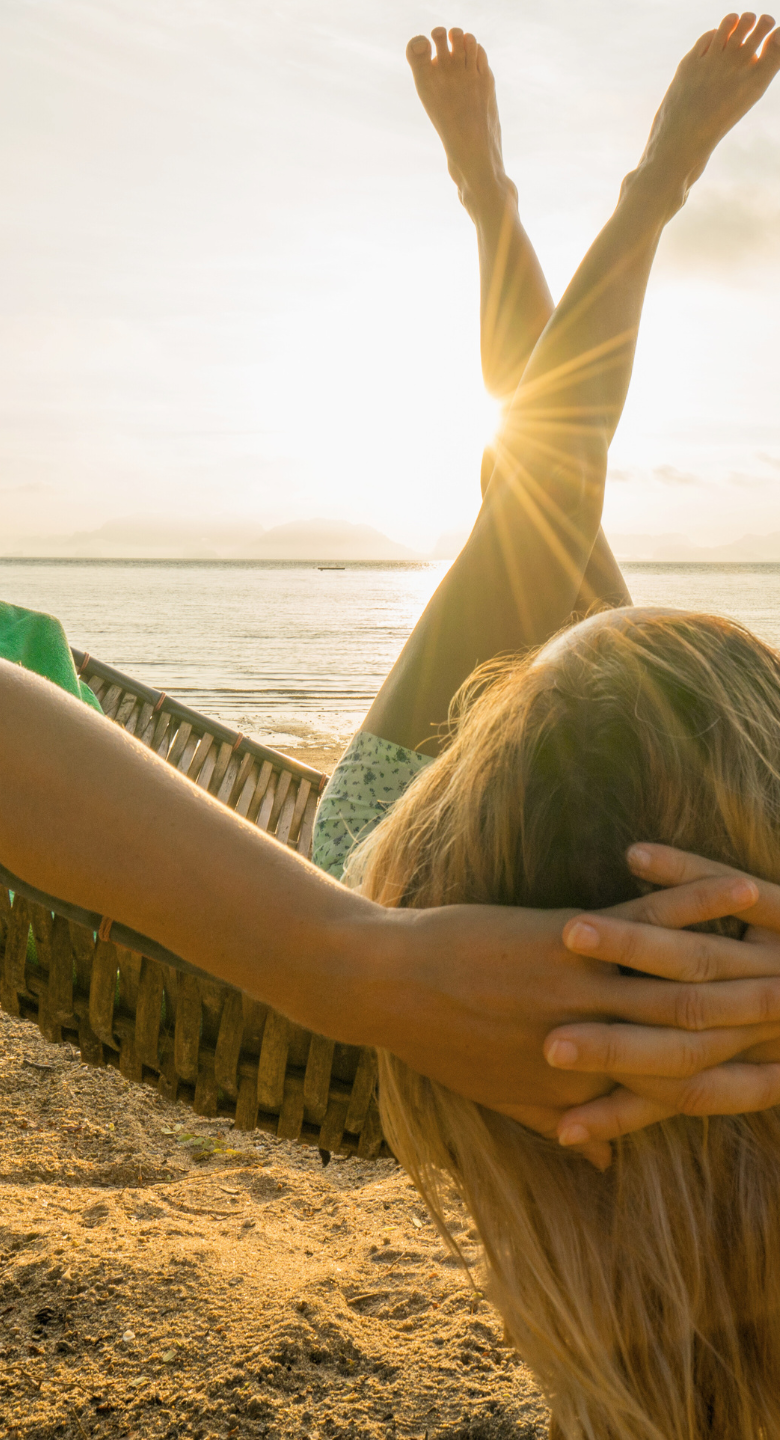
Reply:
x=292, y=654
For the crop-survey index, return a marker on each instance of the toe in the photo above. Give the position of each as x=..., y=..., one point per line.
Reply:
x=726, y=28
x=741, y=30
x=470, y=48
x=482, y=60
x=758, y=36
x=418, y=51
x=458, y=47
x=770, y=55
x=439, y=37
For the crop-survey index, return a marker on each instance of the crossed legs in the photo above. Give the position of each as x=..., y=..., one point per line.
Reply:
x=536, y=555
x=458, y=92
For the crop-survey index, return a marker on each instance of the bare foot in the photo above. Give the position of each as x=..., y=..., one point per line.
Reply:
x=716, y=83
x=457, y=88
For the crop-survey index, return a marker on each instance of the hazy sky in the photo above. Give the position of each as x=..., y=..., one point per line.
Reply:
x=237, y=282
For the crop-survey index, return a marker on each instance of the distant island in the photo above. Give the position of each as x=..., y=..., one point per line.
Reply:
x=320, y=539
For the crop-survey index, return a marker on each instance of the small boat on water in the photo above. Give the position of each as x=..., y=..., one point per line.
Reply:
x=331, y=567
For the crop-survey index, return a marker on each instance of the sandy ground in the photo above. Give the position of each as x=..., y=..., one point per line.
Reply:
x=320, y=757
x=162, y=1275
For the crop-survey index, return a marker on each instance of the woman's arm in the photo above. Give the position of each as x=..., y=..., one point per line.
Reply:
x=465, y=994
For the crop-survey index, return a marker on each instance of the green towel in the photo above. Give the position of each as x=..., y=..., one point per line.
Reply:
x=38, y=642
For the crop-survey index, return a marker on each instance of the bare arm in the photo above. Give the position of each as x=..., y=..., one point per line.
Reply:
x=465, y=994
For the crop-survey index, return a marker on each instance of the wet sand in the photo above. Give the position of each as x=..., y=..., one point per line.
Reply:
x=320, y=757
x=162, y=1275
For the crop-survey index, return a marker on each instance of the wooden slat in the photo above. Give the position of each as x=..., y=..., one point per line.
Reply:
x=187, y=1033
x=247, y=763
x=161, y=738
x=332, y=1130
x=263, y=814
x=291, y=1113
x=246, y=1105
x=316, y=1084
x=142, y=723
x=105, y=967
x=285, y=780
x=148, y=1012
x=247, y=791
x=183, y=764
x=371, y=1137
x=223, y=760
x=126, y=708
x=286, y=815
x=111, y=700
x=177, y=749
x=195, y=766
x=266, y=771
x=228, y=1047
x=273, y=1062
x=61, y=969
x=226, y=788
x=307, y=826
x=15, y=956
x=97, y=686
x=304, y=790
x=206, y=1099
x=208, y=768
x=363, y=1087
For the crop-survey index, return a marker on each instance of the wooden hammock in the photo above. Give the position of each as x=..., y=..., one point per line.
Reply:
x=126, y=1001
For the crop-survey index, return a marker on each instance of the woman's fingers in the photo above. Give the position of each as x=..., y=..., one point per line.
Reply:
x=661, y=1051
x=693, y=902
x=663, y=865
x=736, y=1089
x=740, y=1005
x=619, y=1113
x=685, y=955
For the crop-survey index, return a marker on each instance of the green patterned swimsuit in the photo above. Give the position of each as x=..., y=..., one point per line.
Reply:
x=370, y=776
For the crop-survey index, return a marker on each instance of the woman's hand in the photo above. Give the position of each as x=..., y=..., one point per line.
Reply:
x=476, y=990
x=722, y=1057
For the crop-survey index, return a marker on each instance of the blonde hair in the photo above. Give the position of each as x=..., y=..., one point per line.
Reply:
x=647, y=1299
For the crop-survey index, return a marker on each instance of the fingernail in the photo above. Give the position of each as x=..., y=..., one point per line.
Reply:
x=638, y=858
x=419, y=45
x=573, y=1135
x=581, y=936
x=560, y=1053
x=742, y=892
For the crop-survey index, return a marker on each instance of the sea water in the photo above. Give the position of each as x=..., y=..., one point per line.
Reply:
x=290, y=653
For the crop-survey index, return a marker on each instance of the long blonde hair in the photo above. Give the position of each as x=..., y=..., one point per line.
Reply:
x=647, y=1299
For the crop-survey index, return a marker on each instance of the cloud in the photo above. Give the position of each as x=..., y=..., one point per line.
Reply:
x=747, y=482
x=723, y=228
x=31, y=488
x=773, y=460
x=670, y=475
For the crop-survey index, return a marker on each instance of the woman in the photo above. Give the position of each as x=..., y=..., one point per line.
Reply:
x=647, y=1299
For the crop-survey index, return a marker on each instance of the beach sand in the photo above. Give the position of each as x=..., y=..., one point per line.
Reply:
x=320, y=757
x=162, y=1275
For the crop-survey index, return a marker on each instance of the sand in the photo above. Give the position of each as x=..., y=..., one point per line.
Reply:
x=321, y=757
x=164, y=1275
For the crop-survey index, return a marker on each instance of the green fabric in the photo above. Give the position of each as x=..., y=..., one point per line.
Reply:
x=38, y=642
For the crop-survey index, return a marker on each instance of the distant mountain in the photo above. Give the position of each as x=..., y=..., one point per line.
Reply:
x=140, y=537
x=326, y=540
x=680, y=548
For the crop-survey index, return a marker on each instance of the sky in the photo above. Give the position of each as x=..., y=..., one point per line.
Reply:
x=237, y=286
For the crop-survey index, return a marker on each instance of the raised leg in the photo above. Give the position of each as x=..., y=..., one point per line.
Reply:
x=520, y=574
x=457, y=89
